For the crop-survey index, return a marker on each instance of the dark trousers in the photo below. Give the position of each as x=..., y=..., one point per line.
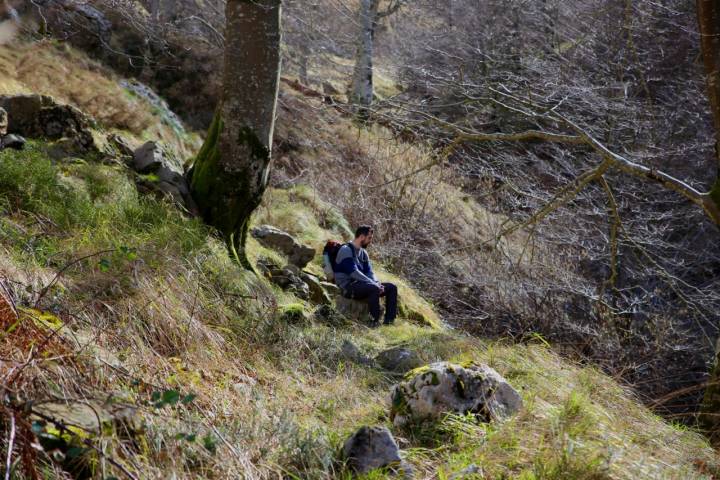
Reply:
x=371, y=293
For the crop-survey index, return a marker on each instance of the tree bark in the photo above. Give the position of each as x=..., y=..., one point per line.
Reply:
x=230, y=173
x=709, y=22
x=708, y=12
x=362, y=86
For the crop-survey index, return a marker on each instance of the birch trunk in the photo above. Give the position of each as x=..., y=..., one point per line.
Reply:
x=230, y=173
x=362, y=86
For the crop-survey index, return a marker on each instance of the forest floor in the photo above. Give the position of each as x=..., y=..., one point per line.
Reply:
x=232, y=377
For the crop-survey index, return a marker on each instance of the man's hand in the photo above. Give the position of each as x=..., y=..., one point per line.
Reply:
x=382, y=287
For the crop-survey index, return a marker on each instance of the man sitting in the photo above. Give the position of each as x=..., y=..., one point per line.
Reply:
x=355, y=277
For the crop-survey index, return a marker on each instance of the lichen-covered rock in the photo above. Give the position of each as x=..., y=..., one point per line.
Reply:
x=432, y=391
x=276, y=239
x=398, y=360
x=371, y=448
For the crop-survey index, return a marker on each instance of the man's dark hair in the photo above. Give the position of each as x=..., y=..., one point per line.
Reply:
x=363, y=230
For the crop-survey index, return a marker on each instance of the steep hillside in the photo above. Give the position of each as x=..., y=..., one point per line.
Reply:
x=133, y=347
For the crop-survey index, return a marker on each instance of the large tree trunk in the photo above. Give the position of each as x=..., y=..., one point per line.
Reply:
x=231, y=171
x=362, y=86
x=709, y=22
x=708, y=12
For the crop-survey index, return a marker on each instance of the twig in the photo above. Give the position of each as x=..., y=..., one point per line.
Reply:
x=11, y=442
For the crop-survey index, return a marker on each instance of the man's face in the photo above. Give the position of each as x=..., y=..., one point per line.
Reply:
x=365, y=240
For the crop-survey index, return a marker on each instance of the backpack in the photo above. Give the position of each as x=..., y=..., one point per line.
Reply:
x=330, y=253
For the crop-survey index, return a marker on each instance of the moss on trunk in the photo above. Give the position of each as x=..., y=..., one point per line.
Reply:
x=715, y=192
x=225, y=196
x=230, y=172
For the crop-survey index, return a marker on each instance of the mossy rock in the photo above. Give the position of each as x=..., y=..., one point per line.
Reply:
x=293, y=314
x=428, y=393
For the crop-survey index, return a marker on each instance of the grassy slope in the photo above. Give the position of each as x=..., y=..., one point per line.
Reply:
x=159, y=306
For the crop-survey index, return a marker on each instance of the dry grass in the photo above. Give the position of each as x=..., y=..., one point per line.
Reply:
x=69, y=76
x=51, y=68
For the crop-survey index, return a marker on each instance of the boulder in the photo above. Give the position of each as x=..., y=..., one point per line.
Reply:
x=371, y=448
x=151, y=158
x=276, y=239
x=317, y=292
x=398, y=360
x=357, y=310
x=41, y=116
x=15, y=142
x=439, y=388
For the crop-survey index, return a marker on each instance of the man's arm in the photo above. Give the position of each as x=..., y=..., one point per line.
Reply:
x=370, y=274
x=346, y=264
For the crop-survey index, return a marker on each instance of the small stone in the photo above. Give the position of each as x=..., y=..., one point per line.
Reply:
x=371, y=448
x=328, y=315
x=245, y=386
x=3, y=121
x=351, y=352
x=471, y=470
x=398, y=360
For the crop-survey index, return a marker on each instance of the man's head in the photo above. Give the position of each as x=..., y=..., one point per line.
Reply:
x=364, y=235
